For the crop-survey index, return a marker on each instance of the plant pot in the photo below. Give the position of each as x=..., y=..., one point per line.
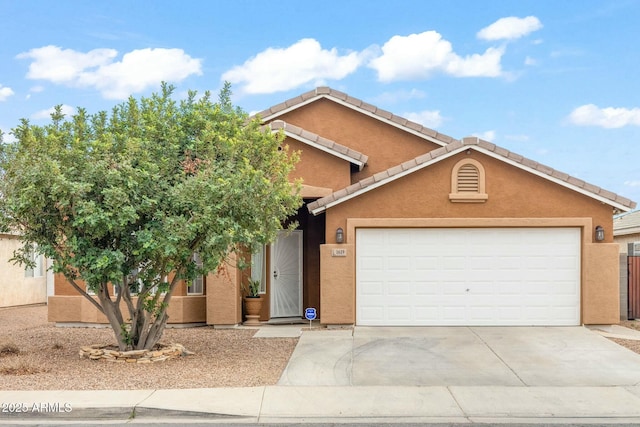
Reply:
x=252, y=308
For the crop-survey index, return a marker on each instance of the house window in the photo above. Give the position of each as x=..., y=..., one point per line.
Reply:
x=136, y=284
x=259, y=268
x=196, y=286
x=37, y=269
x=467, y=182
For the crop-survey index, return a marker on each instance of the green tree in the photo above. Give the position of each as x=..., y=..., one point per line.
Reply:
x=128, y=198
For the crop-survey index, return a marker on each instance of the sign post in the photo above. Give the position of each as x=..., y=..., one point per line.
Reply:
x=310, y=314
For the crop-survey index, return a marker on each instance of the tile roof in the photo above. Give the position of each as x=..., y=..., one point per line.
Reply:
x=358, y=105
x=320, y=143
x=618, y=202
x=628, y=223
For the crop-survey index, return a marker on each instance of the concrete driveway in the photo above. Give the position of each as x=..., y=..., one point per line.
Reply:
x=460, y=356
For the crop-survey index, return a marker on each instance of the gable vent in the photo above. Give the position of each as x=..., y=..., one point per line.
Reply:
x=468, y=179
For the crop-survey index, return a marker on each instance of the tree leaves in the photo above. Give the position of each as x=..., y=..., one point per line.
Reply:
x=143, y=188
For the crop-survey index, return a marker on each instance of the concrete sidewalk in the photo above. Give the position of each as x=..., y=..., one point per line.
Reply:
x=282, y=404
x=435, y=375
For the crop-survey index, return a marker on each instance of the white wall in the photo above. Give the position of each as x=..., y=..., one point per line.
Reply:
x=15, y=288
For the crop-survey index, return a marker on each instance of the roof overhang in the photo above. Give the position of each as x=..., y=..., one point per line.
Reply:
x=359, y=106
x=464, y=147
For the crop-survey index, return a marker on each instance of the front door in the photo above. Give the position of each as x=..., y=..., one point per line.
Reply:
x=286, y=275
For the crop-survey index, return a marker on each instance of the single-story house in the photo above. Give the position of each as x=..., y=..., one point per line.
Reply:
x=402, y=225
x=626, y=229
x=626, y=233
x=20, y=285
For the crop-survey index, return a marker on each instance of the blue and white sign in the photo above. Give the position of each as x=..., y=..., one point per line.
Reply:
x=310, y=313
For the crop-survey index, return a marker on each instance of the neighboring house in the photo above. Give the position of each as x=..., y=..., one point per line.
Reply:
x=403, y=225
x=626, y=229
x=20, y=285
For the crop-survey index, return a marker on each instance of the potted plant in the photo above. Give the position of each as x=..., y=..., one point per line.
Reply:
x=252, y=302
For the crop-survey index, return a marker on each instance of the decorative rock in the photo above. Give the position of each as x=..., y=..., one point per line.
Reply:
x=160, y=353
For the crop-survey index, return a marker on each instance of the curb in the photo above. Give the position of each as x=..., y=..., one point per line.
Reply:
x=117, y=413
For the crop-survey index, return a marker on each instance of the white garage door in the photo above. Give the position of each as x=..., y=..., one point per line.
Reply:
x=468, y=276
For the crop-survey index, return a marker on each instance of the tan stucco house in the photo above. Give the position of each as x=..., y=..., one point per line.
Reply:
x=402, y=225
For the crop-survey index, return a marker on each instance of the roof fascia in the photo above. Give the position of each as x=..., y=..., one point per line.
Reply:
x=321, y=147
x=384, y=181
x=553, y=179
x=355, y=108
x=625, y=231
x=480, y=150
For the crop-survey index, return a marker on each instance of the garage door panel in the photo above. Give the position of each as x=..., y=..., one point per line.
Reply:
x=399, y=289
x=425, y=262
x=468, y=276
x=371, y=289
x=399, y=313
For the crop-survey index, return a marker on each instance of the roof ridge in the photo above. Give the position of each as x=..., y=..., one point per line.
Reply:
x=358, y=104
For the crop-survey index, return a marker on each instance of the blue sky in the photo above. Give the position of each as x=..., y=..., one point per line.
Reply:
x=555, y=81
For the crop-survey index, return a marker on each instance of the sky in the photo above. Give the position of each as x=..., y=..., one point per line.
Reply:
x=554, y=81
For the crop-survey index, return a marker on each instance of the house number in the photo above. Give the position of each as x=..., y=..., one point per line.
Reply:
x=338, y=252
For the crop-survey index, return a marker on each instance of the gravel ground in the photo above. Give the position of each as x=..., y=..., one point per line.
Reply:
x=36, y=355
x=632, y=345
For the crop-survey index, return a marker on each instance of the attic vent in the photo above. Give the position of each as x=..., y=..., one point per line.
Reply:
x=467, y=182
x=468, y=177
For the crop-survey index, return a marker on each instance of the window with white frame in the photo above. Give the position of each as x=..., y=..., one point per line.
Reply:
x=196, y=286
x=259, y=268
x=135, y=287
x=38, y=267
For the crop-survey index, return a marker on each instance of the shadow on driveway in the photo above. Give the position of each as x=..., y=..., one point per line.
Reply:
x=460, y=356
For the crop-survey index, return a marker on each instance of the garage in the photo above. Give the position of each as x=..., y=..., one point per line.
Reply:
x=467, y=276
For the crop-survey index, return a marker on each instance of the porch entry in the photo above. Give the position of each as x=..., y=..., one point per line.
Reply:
x=286, y=275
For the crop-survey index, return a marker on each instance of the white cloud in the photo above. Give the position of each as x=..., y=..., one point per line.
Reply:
x=610, y=117
x=45, y=114
x=518, y=138
x=138, y=69
x=476, y=65
x=510, y=28
x=489, y=135
x=5, y=93
x=632, y=183
x=35, y=89
x=399, y=96
x=281, y=69
x=530, y=61
x=418, y=56
x=430, y=119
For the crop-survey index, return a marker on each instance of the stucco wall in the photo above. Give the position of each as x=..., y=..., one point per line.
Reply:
x=224, y=300
x=600, y=287
x=15, y=288
x=385, y=145
x=337, y=292
x=319, y=169
x=599, y=278
x=516, y=198
x=513, y=193
x=77, y=309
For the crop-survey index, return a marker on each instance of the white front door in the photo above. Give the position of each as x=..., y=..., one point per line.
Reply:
x=286, y=275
